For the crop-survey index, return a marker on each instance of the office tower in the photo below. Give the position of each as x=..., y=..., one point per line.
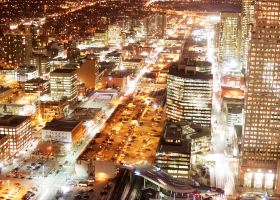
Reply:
x=229, y=41
x=247, y=22
x=19, y=130
x=189, y=94
x=63, y=83
x=174, y=152
x=260, y=165
x=16, y=48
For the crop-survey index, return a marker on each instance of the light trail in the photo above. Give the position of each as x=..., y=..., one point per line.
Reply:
x=222, y=173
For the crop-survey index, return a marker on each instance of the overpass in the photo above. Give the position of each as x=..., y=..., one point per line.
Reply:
x=169, y=187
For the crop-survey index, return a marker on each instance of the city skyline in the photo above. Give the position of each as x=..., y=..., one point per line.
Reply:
x=139, y=99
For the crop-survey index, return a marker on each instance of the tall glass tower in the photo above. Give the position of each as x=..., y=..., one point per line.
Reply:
x=260, y=164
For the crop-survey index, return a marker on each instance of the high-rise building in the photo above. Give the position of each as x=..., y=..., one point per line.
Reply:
x=16, y=48
x=247, y=22
x=19, y=130
x=260, y=164
x=229, y=41
x=63, y=83
x=189, y=94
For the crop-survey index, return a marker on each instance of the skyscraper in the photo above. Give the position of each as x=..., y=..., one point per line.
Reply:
x=16, y=48
x=260, y=164
x=247, y=21
x=63, y=83
x=189, y=93
x=229, y=45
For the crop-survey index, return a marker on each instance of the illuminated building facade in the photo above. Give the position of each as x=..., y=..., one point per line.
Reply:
x=4, y=147
x=16, y=48
x=260, y=166
x=26, y=72
x=230, y=36
x=247, y=22
x=36, y=86
x=19, y=130
x=189, y=95
x=68, y=131
x=101, y=38
x=114, y=35
x=63, y=83
x=174, y=152
x=53, y=109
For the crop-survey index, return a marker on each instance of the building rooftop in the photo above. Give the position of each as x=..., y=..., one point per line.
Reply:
x=63, y=71
x=184, y=147
x=36, y=80
x=200, y=132
x=120, y=73
x=61, y=125
x=172, y=131
x=12, y=120
x=83, y=114
x=173, y=140
x=192, y=74
x=70, y=66
x=26, y=68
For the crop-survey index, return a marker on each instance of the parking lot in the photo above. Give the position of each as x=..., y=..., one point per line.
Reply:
x=33, y=168
x=132, y=133
x=79, y=190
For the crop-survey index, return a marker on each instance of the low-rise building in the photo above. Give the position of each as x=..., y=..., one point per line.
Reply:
x=63, y=83
x=116, y=79
x=86, y=114
x=19, y=130
x=53, y=109
x=133, y=63
x=37, y=86
x=26, y=72
x=6, y=94
x=66, y=131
